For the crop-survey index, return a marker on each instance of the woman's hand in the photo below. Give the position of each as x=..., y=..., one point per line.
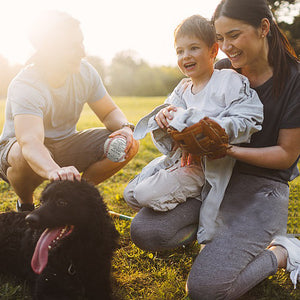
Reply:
x=164, y=116
x=280, y=156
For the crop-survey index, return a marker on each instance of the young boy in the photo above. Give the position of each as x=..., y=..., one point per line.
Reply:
x=225, y=97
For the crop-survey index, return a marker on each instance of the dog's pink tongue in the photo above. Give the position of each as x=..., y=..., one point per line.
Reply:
x=40, y=255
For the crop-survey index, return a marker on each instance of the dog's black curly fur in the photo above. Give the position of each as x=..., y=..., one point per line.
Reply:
x=79, y=265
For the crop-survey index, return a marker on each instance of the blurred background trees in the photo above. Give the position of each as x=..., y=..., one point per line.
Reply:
x=128, y=75
x=287, y=14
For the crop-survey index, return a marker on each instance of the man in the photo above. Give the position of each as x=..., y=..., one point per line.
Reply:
x=39, y=139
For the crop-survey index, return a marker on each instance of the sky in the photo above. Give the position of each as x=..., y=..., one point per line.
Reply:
x=143, y=26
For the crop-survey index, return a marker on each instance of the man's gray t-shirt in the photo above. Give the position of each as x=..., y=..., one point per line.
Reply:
x=60, y=108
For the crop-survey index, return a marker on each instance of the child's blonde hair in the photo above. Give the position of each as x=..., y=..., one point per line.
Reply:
x=199, y=27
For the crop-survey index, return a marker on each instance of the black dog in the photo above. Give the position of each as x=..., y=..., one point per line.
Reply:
x=64, y=248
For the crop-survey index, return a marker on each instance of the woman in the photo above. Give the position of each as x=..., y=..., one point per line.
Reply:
x=255, y=205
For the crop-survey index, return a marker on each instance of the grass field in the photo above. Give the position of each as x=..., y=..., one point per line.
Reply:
x=139, y=274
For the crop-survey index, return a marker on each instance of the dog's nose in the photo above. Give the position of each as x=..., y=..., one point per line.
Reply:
x=33, y=220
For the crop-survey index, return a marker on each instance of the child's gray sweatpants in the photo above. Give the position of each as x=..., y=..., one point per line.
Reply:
x=253, y=211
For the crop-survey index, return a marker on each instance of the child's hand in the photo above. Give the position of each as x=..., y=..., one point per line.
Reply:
x=164, y=115
x=188, y=159
x=184, y=158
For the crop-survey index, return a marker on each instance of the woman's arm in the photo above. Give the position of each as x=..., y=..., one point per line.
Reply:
x=279, y=157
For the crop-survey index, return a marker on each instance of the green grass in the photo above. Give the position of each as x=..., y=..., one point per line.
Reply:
x=140, y=274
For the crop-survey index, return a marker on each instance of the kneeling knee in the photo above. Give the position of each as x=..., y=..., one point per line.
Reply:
x=145, y=237
x=133, y=149
x=138, y=236
x=142, y=195
x=16, y=158
x=129, y=198
x=204, y=288
x=18, y=164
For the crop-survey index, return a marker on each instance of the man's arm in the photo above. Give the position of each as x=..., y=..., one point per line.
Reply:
x=108, y=113
x=280, y=157
x=29, y=131
x=112, y=117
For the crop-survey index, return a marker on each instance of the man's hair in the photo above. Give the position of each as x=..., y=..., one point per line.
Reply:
x=48, y=26
x=197, y=26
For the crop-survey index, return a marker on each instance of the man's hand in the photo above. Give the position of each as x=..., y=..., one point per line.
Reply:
x=128, y=134
x=65, y=173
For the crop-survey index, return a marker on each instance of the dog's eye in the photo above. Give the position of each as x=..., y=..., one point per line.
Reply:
x=61, y=202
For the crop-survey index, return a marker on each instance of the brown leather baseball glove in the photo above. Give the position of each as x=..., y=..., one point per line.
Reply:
x=205, y=138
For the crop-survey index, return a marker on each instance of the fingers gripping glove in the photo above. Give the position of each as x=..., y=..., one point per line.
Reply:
x=205, y=138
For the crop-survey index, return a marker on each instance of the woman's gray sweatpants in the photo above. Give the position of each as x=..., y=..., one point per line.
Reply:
x=253, y=211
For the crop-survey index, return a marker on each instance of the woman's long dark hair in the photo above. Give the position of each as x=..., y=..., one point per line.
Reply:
x=280, y=50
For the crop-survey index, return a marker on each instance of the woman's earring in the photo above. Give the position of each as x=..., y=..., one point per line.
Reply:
x=262, y=35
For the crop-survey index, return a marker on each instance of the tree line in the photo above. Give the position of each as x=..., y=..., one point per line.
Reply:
x=128, y=75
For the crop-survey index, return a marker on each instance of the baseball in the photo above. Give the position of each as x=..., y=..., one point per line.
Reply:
x=114, y=148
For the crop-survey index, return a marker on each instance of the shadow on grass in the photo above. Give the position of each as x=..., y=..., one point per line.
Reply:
x=273, y=288
x=11, y=289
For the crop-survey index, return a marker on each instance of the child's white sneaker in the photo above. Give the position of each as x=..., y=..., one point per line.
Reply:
x=292, y=245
